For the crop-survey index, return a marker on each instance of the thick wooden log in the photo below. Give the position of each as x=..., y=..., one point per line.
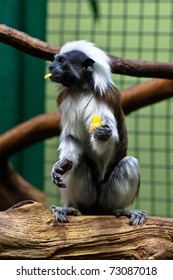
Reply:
x=29, y=231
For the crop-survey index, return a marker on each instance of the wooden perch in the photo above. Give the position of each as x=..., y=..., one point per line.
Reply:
x=144, y=94
x=28, y=231
x=28, y=133
x=139, y=68
x=36, y=47
x=26, y=43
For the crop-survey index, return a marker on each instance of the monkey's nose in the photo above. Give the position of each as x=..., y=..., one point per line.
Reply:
x=51, y=67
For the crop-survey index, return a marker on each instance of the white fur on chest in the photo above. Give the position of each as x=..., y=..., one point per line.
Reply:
x=76, y=116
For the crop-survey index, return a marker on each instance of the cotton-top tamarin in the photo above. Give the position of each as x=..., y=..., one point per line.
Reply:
x=93, y=171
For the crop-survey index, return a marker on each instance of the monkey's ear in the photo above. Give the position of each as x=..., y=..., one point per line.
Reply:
x=88, y=64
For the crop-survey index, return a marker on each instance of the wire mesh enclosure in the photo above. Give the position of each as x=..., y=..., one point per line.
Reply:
x=136, y=30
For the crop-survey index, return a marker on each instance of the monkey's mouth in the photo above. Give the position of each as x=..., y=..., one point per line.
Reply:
x=64, y=78
x=55, y=77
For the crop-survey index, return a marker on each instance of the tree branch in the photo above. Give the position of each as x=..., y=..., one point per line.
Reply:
x=14, y=188
x=29, y=231
x=144, y=94
x=139, y=68
x=30, y=132
x=26, y=43
x=36, y=47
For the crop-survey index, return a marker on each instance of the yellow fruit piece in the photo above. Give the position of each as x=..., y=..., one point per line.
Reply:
x=96, y=122
x=47, y=75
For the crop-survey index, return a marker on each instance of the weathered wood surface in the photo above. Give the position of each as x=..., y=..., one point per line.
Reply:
x=28, y=231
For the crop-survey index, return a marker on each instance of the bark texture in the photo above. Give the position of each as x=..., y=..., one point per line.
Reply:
x=28, y=231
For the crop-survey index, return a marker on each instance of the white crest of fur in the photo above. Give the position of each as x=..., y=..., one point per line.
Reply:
x=102, y=71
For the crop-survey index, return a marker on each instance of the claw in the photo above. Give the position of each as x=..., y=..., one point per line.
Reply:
x=61, y=213
x=136, y=217
x=59, y=169
x=102, y=133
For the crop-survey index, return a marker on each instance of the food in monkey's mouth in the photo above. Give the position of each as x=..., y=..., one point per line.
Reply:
x=96, y=122
x=47, y=76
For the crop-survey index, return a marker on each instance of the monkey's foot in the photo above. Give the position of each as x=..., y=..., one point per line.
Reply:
x=61, y=213
x=60, y=168
x=136, y=217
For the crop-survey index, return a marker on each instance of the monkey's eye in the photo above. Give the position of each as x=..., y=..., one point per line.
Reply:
x=60, y=59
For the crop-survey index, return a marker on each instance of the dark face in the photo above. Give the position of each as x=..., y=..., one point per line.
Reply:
x=72, y=69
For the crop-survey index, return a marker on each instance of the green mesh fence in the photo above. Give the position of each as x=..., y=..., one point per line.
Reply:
x=136, y=30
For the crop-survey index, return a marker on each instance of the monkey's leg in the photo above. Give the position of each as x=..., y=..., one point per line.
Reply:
x=127, y=172
x=59, y=169
x=121, y=189
x=61, y=213
x=80, y=192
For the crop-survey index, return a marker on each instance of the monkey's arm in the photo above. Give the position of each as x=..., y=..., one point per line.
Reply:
x=105, y=137
x=70, y=148
x=70, y=151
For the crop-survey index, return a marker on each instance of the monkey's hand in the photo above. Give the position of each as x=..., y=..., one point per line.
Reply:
x=102, y=132
x=59, y=169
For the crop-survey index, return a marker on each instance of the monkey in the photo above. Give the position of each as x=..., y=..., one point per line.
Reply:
x=94, y=173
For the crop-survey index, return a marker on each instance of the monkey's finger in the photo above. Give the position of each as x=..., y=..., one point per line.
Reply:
x=102, y=133
x=66, y=165
x=71, y=211
x=56, y=179
x=136, y=217
x=62, y=217
x=59, y=169
x=62, y=166
x=60, y=184
x=59, y=214
x=55, y=176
